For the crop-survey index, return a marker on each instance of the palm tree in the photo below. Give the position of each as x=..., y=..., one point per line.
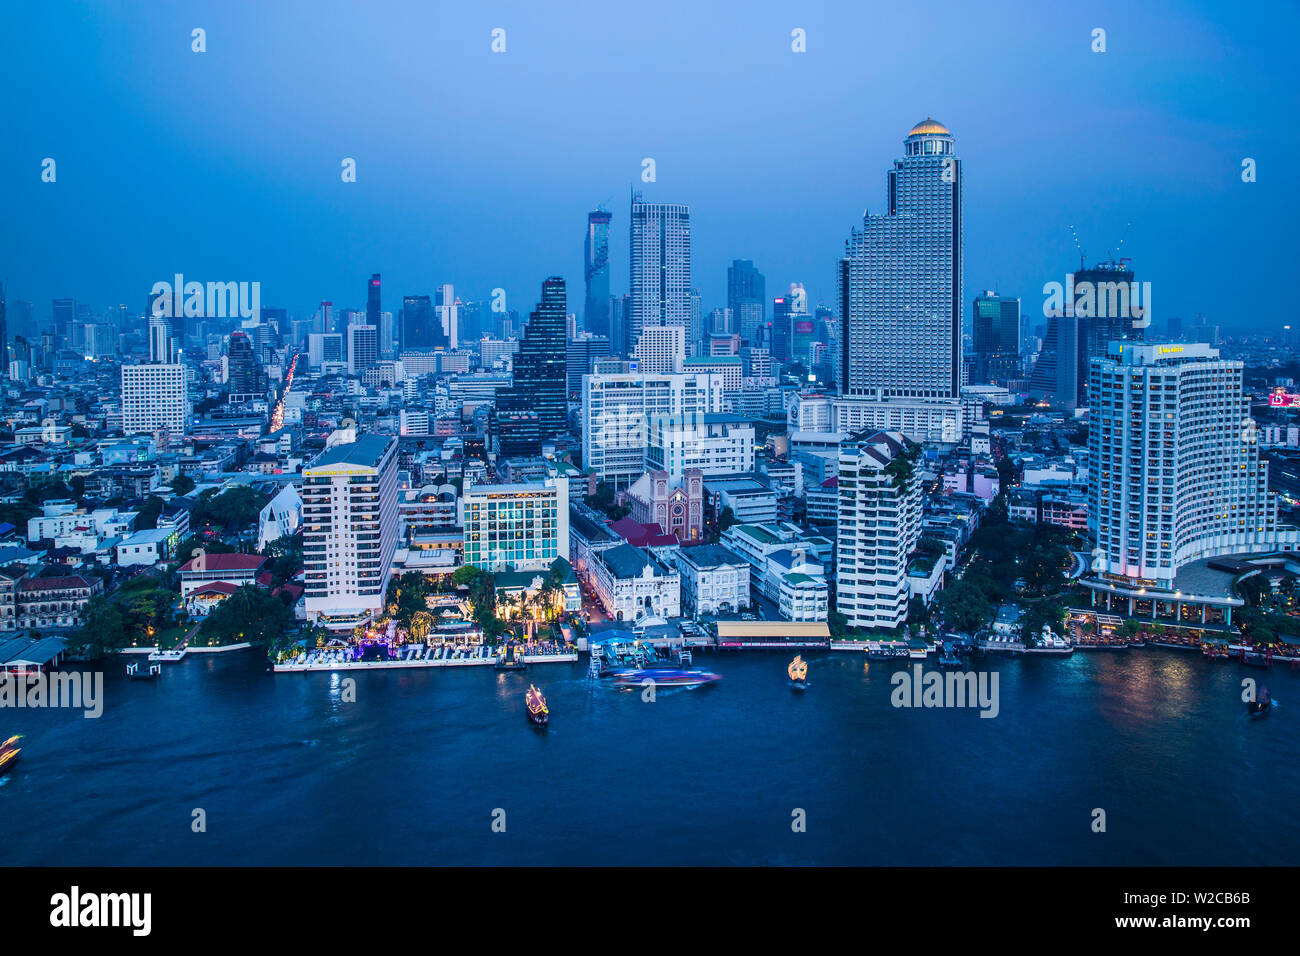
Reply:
x=420, y=626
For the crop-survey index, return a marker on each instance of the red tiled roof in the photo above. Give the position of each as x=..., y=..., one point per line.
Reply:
x=227, y=562
x=216, y=587
x=53, y=584
x=832, y=482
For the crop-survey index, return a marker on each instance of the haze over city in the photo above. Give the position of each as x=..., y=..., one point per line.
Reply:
x=478, y=168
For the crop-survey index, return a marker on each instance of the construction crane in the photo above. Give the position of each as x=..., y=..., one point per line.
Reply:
x=1078, y=245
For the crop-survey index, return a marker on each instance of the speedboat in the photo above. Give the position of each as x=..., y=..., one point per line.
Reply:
x=664, y=677
x=9, y=753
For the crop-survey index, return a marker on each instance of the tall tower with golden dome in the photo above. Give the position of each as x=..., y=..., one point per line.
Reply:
x=900, y=288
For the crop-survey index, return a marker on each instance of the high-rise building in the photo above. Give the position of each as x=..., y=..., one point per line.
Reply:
x=595, y=315
x=448, y=308
x=582, y=350
x=1175, y=471
x=372, y=301
x=747, y=300
x=900, y=281
x=995, y=327
x=540, y=380
x=879, y=525
x=420, y=328
x=660, y=349
x=162, y=348
x=243, y=373
x=349, y=514
x=521, y=527
x=322, y=348
x=660, y=238
x=363, y=347
x=616, y=408
x=1097, y=311
x=65, y=314
x=4, y=335
x=715, y=443
x=154, y=396
x=696, y=334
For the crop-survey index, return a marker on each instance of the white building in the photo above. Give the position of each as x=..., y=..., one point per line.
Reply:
x=1175, y=471
x=660, y=349
x=154, y=397
x=349, y=509
x=280, y=516
x=715, y=443
x=879, y=525
x=633, y=584
x=520, y=527
x=145, y=547
x=616, y=409
x=713, y=579
x=660, y=279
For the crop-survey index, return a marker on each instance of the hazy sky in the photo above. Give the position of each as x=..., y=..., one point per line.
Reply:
x=479, y=168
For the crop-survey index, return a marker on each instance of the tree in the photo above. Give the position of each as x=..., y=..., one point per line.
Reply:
x=182, y=485
x=231, y=511
x=964, y=606
x=420, y=626
x=103, y=629
x=251, y=615
x=726, y=519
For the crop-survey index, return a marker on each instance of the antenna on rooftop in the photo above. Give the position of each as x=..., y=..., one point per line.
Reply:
x=1075, y=235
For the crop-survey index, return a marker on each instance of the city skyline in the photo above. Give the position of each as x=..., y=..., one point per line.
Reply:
x=420, y=230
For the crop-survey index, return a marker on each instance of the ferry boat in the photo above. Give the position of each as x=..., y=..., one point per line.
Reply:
x=535, y=705
x=9, y=753
x=1261, y=705
x=798, y=671
x=664, y=677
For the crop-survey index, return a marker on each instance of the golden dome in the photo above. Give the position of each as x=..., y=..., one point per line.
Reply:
x=928, y=127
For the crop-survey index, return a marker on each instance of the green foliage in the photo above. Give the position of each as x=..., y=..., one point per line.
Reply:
x=603, y=501
x=965, y=607
x=187, y=548
x=229, y=511
x=148, y=516
x=182, y=485
x=252, y=614
x=726, y=519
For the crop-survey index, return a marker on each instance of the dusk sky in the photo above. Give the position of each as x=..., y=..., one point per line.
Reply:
x=479, y=169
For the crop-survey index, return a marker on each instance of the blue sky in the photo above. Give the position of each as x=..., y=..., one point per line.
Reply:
x=479, y=168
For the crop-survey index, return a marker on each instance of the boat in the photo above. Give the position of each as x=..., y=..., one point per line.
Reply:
x=948, y=656
x=881, y=653
x=798, y=671
x=9, y=753
x=1261, y=705
x=664, y=677
x=535, y=704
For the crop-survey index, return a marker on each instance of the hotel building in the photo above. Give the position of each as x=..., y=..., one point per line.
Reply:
x=349, y=514
x=522, y=527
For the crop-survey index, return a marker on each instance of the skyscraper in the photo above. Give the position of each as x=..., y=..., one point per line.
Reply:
x=595, y=315
x=65, y=314
x=420, y=330
x=901, y=280
x=995, y=326
x=539, y=372
x=448, y=308
x=1175, y=471
x=243, y=374
x=660, y=239
x=372, y=301
x=747, y=298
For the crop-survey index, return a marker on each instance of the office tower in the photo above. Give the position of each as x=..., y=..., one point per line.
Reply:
x=363, y=347
x=322, y=322
x=660, y=238
x=490, y=351
x=620, y=334
x=716, y=443
x=373, y=300
x=349, y=514
x=4, y=335
x=995, y=326
x=721, y=322
x=64, y=314
x=1097, y=311
x=660, y=349
x=154, y=396
x=616, y=408
x=696, y=334
x=471, y=322
x=879, y=524
x=595, y=314
x=449, y=315
x=781, y=328
x=162, y=348
x=243, y=373
x=420, y=328
x=322, y=348
x=539, y=371
x=1176, y=474
x=582, y=350
x=746, y=298
x=520, y=527
x=901, y=280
